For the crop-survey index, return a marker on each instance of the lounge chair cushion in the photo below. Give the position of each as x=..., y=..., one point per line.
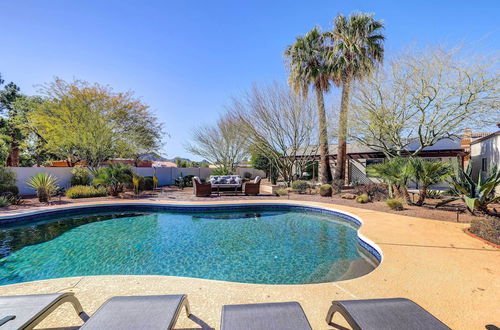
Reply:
x=137, y=312
x=389, y=314
x=272, y=316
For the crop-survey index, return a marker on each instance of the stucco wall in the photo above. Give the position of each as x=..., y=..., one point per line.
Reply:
x=166, y=175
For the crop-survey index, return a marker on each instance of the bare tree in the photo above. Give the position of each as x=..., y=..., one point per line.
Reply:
x=424, y=97
x=221, y=144
x=280, y=124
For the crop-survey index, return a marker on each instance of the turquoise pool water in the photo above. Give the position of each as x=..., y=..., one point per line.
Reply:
x=269, y=246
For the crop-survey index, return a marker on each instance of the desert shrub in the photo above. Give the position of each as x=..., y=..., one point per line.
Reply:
x=376, y=191
x=7, y=177
x=4, y=201
x=14, y=199
x=433, y=194
x=114, y=177
x=363, y=198
x=325, y=190
x=281, y=192
x=13, y=189
x=80, y=176
x=86, y=191
x=337, y=185
x=489, y=229
x=394, y=204
x=148, y=183
x=299, y=185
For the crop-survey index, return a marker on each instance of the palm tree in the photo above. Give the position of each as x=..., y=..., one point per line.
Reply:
x=396, y=172
x=427, y=173
x=308, y=65
x=356, y=48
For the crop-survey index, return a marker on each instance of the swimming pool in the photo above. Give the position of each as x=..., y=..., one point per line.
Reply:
x=278, y=244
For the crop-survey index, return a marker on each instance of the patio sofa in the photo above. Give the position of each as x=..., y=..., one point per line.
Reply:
x=229, y=183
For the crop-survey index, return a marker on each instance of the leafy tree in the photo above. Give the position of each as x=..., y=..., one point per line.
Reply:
x=308, y=65
x=422, y=97
x=222, y=144
x=11, y=122
x=428, y=173
x=357, y=46
x=92, y=123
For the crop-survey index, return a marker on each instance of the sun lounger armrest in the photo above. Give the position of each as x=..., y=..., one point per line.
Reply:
x=7, y=319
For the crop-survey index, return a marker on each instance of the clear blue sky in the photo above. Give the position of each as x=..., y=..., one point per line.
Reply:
x=186, y=58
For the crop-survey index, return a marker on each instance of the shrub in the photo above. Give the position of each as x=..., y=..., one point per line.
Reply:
x=86, y=191
x=376, y=191
x=247, y=175
x=80, y=176
x=337, y=185
x=114, y=177
x=13, y=189
x=394, y=204
x=489, y=229
x=325, y=190
x=44, y=184
x=299, y=185
x=363, y=198
x=14, y=199
x=148, y=183
x=281, y=192
x=7, y=177
x=4, y=201
x=137, y=183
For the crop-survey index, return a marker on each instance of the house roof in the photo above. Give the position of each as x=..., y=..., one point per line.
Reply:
x=448, y=144
x=486, y=137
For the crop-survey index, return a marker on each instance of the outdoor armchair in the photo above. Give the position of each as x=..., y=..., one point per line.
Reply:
x=201, y=189
x=252, y=188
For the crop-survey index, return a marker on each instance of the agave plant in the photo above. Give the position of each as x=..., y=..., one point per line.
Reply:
x=114, y=177
x=476, y=195
x=44, y=184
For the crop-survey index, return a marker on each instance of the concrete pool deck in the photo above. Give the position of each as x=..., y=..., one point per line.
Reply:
x=454, y=276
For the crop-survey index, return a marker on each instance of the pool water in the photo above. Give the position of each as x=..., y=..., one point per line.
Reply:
x=268, y=246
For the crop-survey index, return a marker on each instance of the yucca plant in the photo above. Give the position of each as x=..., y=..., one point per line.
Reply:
x=114, y=177
x=476, y=195
x=44, y=184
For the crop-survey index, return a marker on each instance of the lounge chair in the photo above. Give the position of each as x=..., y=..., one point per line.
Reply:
x=138, y=312
x=252, y=188
x=201, y=189
x=268, y=316
x=134, y=312
x=389, y=314
x=25, y=312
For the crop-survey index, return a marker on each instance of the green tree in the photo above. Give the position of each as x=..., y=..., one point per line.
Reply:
x=357, y=46
x=308, y=65
x=11, y=122
x=92, y=123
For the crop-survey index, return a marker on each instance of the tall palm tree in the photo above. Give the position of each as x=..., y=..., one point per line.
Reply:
x=356, y=49
x=309, y=66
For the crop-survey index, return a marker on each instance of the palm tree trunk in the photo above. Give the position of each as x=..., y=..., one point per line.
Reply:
x=342, y=140
x=325, y=172
x=421, y=196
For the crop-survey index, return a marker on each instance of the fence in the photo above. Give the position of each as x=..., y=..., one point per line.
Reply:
x=166, y=175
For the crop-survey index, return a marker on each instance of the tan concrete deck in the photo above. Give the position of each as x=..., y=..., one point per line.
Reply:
x=434, y=263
